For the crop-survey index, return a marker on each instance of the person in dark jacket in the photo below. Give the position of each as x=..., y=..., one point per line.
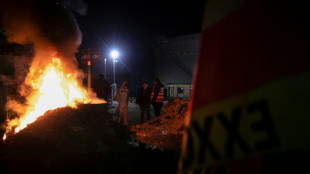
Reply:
x=144, y=101
x=157, y=96
x=102, y=87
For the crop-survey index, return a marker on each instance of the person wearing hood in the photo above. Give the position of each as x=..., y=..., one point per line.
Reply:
x=157, y=96
x=122, y=99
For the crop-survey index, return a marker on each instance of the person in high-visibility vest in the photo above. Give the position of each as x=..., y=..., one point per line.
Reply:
x=157, y=96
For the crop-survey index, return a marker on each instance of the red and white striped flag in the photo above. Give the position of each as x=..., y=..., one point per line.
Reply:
x=250, y=106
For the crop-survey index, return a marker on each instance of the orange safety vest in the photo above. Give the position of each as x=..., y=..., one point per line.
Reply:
x=160, y=97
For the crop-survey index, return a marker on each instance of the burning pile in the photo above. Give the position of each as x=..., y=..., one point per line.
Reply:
x=52, y=79
x=52, y=88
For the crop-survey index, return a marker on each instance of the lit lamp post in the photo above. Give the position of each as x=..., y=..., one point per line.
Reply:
x=88, y=76
x=88, y=71
x=114, y=55
x=105, y=66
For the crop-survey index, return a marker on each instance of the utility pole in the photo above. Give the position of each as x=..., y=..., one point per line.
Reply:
x=88, y=71
x=88, y=57
x=114, y=84
x=105, y=66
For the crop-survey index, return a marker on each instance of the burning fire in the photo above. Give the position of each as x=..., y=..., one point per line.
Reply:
x=53, y=88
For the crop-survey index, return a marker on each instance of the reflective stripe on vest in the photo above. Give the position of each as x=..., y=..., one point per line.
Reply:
x=160, y=97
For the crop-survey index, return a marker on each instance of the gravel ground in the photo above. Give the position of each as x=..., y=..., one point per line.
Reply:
x=153, y=131
x=133, y=116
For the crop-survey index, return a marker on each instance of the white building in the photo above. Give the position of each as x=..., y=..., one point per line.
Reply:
x=179, y=90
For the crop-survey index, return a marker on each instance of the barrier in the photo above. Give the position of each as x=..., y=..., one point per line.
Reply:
x=249, y=110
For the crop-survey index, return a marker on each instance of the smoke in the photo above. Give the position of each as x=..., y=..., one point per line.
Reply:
x=49, y=24
x=51, y=27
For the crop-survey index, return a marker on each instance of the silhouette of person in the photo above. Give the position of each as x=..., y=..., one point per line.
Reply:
x=122, y=99
x=157, y=96
x=144, y=101
x=102, y=87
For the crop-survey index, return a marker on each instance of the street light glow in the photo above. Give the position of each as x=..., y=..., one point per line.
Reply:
x=114, y=54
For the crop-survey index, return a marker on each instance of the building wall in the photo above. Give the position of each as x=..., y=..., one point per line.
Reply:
x=175, y=58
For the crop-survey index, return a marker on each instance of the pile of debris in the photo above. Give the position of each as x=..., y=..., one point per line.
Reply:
x=83, y=140
x=165, y=131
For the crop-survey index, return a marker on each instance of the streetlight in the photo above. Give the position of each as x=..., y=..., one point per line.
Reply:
x=114, y=54
x=105, y=66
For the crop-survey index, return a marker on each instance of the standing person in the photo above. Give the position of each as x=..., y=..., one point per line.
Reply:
x=157, y=96
x=122, y=99
x=144, y=101
x=102, y=87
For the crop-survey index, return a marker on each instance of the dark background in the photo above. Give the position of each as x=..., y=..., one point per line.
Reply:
x=132, y=27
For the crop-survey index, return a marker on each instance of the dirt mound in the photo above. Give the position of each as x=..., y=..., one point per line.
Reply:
x=84, y=140
x=165, y=131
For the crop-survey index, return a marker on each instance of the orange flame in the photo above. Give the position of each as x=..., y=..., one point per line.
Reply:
x=52, y=89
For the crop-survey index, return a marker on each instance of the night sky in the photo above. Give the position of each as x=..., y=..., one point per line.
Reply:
x=132, y=28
